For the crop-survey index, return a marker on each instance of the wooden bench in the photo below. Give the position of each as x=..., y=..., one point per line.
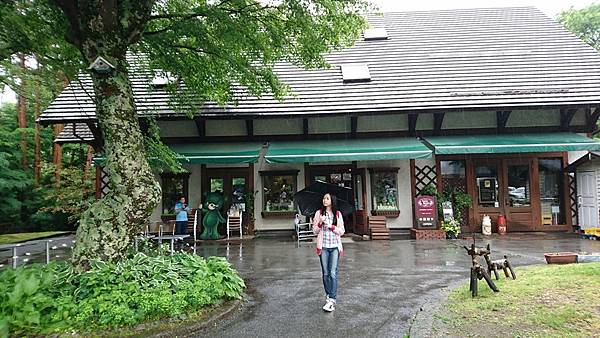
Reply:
x=378, y=228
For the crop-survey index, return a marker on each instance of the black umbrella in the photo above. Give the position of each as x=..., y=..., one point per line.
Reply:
x=310, y=199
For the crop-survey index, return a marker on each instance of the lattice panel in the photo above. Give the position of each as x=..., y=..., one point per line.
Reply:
x=573, y=198
x=103, y=183
x=424, y=176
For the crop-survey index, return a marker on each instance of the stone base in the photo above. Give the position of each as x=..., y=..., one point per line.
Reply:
x=427, y=234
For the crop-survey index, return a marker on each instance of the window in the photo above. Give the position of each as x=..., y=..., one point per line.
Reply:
x=519, y=193
x=161, y=79
x=356, y=72
x=174, y=186
x=279, y=188
x=551, y=191
x=384, y=190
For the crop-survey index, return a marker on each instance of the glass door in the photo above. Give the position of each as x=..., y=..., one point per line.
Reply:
x=518, y=194
x=488, y=199
x=232, y=183
x=337, y=175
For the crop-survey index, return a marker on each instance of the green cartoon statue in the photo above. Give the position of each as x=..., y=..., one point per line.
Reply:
x=213, y=202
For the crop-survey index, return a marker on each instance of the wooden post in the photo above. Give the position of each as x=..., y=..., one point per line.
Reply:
x=22, y=113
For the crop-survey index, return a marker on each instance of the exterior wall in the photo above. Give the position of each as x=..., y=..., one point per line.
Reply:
x=225, y=128
x=287, y=126
x=382, y=123
x=469, y=119
x=194, y=191
x=185, y=128
x=261, y=223
x=534, y=118
x=405, y=220
x=329, y=124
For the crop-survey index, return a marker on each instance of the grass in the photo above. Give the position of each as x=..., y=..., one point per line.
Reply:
x=27, y=236
x=544, y=301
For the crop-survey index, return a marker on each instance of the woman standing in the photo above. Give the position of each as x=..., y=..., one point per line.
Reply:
x=328, y=224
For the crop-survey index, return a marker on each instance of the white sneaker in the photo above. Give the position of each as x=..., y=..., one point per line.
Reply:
x=329, y=306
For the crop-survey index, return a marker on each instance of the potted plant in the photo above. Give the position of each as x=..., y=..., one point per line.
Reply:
x=451, y=228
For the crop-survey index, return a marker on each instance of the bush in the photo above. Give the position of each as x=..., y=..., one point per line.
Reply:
x=39, y=299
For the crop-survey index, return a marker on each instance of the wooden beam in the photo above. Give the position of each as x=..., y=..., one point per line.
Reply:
x=566, y=115
x=438, y=119
x=250, y=128
x=501, y=119
x=201, y=127
x=412, y=124
x=353, y=126
x=305, y=127
x=98, y=139
x=592, y=119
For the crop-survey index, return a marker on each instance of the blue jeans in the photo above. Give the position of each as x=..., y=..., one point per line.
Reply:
x=180, y=227
x=329, y=266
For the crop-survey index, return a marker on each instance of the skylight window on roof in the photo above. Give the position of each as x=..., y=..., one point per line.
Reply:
x=356, y=72
x=162, y=79
x=375, y=33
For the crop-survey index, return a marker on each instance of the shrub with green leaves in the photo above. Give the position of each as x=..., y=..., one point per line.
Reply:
x=40, y=299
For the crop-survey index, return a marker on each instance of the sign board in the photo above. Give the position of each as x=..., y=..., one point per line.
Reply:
x=447, y=211
x=487, y=190
x=426, y=212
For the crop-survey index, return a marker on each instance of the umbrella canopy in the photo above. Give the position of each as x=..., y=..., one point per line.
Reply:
x=310, y=199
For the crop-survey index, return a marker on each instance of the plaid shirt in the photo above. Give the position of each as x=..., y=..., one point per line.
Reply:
x=330, y=239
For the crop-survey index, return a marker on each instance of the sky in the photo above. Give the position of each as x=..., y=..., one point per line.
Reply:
x=550, y=7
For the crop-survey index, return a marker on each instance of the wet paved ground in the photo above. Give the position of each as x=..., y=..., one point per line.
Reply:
x=382, y=285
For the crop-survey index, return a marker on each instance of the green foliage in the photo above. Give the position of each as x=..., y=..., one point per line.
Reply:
x=45, y=299
x=585, y=23
x=460, y=201
x=25, y=206
x=451, y=227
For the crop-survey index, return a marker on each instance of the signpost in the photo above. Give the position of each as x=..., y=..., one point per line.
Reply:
x=426, y=212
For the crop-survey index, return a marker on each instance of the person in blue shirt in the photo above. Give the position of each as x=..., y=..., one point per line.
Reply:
x=181, y=218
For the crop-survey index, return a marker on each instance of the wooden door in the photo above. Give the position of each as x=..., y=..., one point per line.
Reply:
x=520, y=194
x=587, y=199
x=361, y=226
x=487, y=198
x=233, y=183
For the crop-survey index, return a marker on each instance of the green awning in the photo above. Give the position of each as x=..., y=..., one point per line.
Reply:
x=218, y=153
x=512, y=143
x=346, y=150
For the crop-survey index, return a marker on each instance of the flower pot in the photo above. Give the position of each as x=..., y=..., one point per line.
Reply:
x=561, y=257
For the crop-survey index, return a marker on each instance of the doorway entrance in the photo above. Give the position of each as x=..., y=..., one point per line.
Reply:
x=233, y=183
x=338, y=175
x=504, y=186
x=587, y=199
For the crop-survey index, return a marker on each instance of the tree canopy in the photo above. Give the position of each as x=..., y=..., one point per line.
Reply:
x=585, y=23
x=216, y=48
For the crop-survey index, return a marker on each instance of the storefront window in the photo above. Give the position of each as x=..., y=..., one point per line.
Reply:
x=238, y=188
x=216, y=185
x=174, y=186
x=278, y=191
x=519, y=193
x=551, y=191
x=384, y=190
x=487, y=185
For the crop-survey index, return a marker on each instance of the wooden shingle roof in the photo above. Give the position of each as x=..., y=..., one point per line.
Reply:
x=432, y=61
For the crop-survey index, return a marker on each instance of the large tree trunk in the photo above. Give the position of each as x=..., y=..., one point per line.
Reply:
x=106, y=230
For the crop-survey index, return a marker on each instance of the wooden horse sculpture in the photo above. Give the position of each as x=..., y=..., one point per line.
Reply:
x=495, y=265
x=477, y=271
